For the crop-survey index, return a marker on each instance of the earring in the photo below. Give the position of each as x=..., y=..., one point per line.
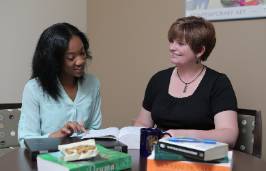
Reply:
x=197, y=60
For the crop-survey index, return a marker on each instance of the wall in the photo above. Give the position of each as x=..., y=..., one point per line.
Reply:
x=128, y=40
x=21, y=25
x=129, y=44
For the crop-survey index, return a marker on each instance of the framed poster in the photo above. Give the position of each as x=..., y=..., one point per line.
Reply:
x=226, y=9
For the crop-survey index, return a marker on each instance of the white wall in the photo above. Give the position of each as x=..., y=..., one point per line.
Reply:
x=21, y=23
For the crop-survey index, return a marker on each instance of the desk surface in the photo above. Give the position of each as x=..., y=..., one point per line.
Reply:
x=17, y=160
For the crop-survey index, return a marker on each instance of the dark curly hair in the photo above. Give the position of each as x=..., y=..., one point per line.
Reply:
x=47, y=62
x=196, y=31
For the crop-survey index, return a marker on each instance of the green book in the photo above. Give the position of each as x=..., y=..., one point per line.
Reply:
x=107, y=160
x=161, y=154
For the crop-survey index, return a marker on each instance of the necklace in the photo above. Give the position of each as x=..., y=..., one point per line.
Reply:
x=187, y=83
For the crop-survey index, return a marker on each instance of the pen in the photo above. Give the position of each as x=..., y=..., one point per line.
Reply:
x=192, y=140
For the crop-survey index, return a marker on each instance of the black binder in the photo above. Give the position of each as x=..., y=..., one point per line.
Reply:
x=37, y=146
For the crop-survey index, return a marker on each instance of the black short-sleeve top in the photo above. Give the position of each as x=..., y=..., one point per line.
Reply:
x=214, y=94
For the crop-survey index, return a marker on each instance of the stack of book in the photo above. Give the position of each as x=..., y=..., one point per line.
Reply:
x=188, y=154
x=107, y=159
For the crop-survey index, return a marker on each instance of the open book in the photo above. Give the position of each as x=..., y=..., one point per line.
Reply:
x=128, y=135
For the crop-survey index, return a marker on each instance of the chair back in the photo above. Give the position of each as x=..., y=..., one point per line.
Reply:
x=9, y=117
x=250, y=132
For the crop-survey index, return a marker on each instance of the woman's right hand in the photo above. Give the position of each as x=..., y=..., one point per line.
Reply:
x=68, y=129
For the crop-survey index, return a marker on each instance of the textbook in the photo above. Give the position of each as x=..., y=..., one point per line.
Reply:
x=107, y=159
x=199, y=149
x=189, y=165
x=129, y=136
x=160, y=154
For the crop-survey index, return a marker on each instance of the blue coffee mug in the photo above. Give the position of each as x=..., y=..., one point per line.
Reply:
x=149, y=137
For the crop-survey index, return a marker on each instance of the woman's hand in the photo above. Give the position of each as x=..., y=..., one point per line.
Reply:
x=68, y=129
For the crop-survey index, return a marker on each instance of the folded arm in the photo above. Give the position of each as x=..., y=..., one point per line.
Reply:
x=144, y=119
x=226, y=127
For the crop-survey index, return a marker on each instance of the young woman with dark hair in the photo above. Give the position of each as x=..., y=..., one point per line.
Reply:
x=60, y=98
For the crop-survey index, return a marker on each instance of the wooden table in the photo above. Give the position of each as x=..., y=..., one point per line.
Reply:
x=18, y=160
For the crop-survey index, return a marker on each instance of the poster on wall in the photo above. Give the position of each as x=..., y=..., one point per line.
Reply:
x=226, y=9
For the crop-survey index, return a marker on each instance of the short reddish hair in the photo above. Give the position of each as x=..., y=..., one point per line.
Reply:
x=196, y=32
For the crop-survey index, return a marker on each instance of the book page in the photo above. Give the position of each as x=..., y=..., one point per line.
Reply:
x=111, y=132
x=130, y=136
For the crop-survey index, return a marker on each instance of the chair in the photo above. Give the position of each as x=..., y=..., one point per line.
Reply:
x=250, y=132
x=10, y=106
x=9, y=117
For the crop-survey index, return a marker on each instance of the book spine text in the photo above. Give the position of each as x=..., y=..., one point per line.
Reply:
x=195, y=154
